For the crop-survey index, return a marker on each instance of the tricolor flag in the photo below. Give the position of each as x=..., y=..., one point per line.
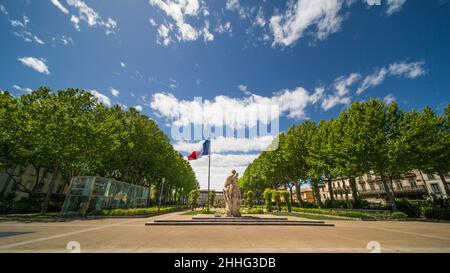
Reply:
x=204, y=150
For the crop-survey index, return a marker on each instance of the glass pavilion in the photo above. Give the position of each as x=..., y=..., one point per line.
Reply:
x=92, y=193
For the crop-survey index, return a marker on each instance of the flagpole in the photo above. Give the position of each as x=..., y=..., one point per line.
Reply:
x=209, y=171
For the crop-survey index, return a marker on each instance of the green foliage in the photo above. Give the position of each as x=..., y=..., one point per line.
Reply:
x=369, y=136
x=70, y=132
x=212, y=198
x=268, y=193
x=253, y=211
x=250, y=199
x=398, y=215
x=409, y=208
x=277, y=197
x=287, y=200
x=351, y=214
x=138, y=212
x=193, y=199
x=437, y=213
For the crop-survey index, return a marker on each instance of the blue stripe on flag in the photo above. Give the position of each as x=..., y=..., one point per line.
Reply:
x=206, y=147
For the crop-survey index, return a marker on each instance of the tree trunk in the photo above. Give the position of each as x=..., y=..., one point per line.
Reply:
x=352, y=181
x=48, y=197
x=7, y=182
x=389, y=193
x=446, y=186
x=290, y=191
x=349, y=204
x=330, y=190
x=299, y=194
x=317, y=195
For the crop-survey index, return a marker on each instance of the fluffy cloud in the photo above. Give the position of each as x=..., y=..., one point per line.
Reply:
x=114, y=92
x=341, y=91
x=179, y=11
x=221, y=166
x=28, y=37
x=405, y=70
x=394, y=6
x=38, y=64
x=229, y=111
x=18, y=88
x=388, y=99
x=86, y=14
x=101, y=98
x=302, y=15
x=60, y=6
x=229, y=144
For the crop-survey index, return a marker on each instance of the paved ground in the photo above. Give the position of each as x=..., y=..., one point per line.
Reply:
x=131, y=235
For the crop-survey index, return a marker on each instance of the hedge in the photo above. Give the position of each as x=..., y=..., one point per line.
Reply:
x=138, y=211
x=351, y=214
x=437, y=213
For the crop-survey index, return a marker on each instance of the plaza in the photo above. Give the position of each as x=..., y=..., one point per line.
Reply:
x=132, y=235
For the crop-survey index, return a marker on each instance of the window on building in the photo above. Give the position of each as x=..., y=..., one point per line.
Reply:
x=363, y=187
x=372, y=186
x=381, y=186
x=430, y=176
x=339, y=184
x=435, y=188
x=413, y=183
x=399, y=184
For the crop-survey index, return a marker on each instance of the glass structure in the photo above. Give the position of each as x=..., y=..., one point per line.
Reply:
x=92, y=193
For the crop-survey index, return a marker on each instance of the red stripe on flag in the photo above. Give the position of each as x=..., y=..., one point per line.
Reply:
x=193, y=156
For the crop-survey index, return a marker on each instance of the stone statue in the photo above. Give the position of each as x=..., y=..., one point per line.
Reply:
x=232, y=195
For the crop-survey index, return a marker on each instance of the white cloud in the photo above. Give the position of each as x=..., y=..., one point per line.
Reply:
x=207, y=36
x=291, y=103
x=394, y=6
x=114, y=92
x=76, y=22
x=302, y=15
x=101, y=98
x=179, y=11
x=234, y=5
x=223, y=28
x=90, y=16
x=18, y=88
x=221, y=166
x=62, y=40
x=163, y=32
x=152, y=22
x=38, y=64
x=60, y=6
x=244, y=89
x=229, y=144
x=29, y=37
x=388, y=99
x=406, y=70
x=138, y=107
x=341, y=91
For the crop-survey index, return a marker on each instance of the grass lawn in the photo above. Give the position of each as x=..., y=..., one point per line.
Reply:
x=309, y=216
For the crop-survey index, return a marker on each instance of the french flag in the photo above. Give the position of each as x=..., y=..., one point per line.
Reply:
x=204, y=150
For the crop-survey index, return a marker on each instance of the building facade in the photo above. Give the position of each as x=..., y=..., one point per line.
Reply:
x=413, y=185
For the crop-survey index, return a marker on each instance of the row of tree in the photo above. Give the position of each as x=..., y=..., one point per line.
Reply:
x=70, y=133
x=367, y=137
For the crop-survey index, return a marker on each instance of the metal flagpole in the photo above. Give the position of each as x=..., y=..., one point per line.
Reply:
x=209, y=171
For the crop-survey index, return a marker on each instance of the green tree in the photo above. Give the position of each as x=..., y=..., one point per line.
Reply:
x=250, y=199
x=193, y=199
x=287, y=200
x=268, y=193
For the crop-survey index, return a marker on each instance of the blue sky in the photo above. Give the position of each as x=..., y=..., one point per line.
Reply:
x=310, y=57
